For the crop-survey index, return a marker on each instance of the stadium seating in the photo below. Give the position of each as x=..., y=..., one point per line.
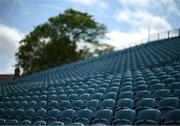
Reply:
x=148, y=117
x=139, y=85
x=173, y=117
x=124, y=117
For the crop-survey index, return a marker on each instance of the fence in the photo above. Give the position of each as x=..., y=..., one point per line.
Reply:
x=156, y=37
x=164, y=35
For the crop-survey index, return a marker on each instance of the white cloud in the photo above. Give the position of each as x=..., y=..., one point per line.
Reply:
x=166, y=7
x=138, y=3
x=120, y=39
x=6, y=65
x=169, y=6
x=139, y=15
x=99, y=3
x=9, y=42
x=85, y=2
x=141, y=19
x=103, y=5
x=50, y=6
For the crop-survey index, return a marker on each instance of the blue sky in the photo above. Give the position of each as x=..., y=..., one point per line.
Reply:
x=127, y=20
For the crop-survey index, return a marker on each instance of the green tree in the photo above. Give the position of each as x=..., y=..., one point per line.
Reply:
x=55, y=42
x=95, y=49
x=103, y=49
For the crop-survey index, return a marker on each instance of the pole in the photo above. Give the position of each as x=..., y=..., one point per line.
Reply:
x=148, y=33
x=168, y=34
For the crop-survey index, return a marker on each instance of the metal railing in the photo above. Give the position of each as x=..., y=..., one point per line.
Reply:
x=156, y=37
x=164, y=35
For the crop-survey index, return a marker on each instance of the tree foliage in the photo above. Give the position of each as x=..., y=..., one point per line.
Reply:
x=55, y=42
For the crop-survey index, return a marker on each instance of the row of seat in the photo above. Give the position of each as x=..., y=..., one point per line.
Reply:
x=153, y=84
x=86, y=117
x=140, y=91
